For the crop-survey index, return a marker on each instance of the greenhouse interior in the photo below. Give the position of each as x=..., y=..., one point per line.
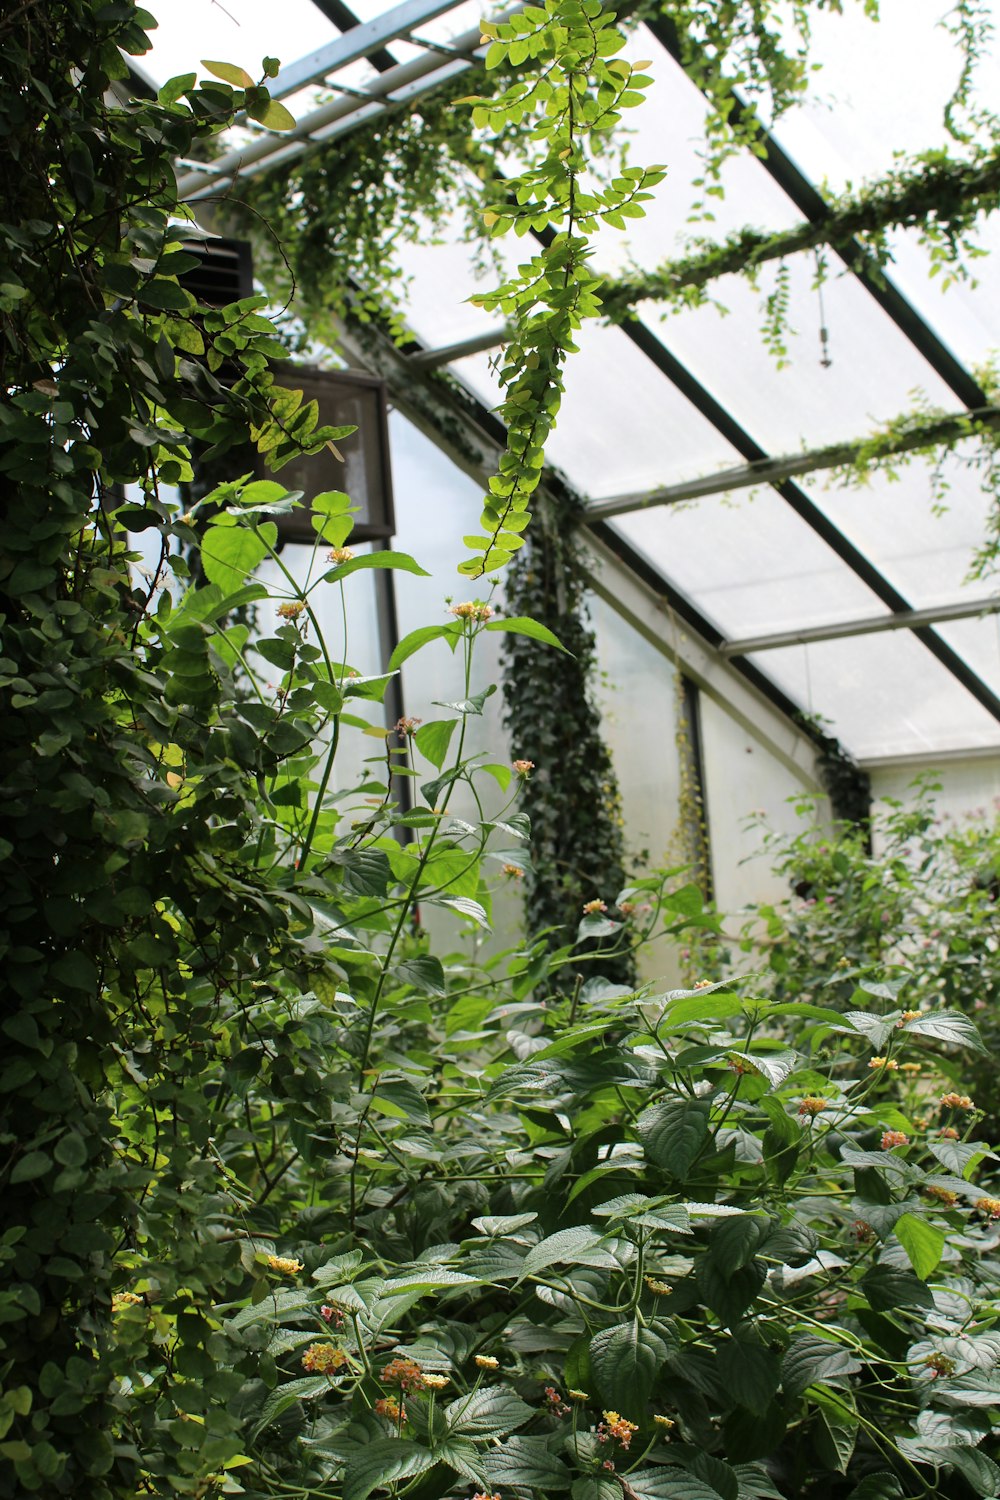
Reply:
x=500, y=666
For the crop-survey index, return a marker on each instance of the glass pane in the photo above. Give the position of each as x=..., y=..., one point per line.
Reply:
x=749, y=563
x=873, y=372
x=883, y=695
x=623, y=427
x=240, y=31
x=924, y=551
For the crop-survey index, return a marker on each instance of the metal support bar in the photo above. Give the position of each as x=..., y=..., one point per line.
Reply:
x=360, y=41
x=432, y=359
x=905, y=620
x=774, y=470
x=272, y=150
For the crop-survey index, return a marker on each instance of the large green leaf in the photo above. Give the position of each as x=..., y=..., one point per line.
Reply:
x=670, y=1484
x=750, y=1372
x=923, y=1242
x=946, y=1026
x=674, y=1132
x=229, y=554
x=625, y=1360
x=524, y=1461
x=493, y=1411
x=402, y=561
x=576, y=1246
x=810, y=1360
x=888, y=1287
x=378, y=1465
x=433, y=739
x=521, y=625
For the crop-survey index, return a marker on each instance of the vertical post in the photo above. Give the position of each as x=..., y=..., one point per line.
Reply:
x=694, y=783
x=388, y=635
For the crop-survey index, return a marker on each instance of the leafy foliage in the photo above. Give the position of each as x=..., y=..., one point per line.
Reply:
x=293, y=1202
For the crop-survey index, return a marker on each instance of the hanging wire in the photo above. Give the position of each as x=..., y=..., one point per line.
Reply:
x=824, y=334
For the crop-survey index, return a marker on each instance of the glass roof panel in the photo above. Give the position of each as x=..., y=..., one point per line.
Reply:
x=862, y=110
x=925, y=554
x=241, y=32
x=977, y=642
x=749, y=564
x=623, y=427
x=883, y=695
x=873, y=371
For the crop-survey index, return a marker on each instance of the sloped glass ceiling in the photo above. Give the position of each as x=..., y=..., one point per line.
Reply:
x=749, y=563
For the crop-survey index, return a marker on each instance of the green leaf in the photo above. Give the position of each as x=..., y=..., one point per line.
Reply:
x=734, y=1242
x=164, y=295
x=229, y=554
x=493, y=1411
x=277, y=117
x=674, y=1132
x=946, y=1026
x=625, y=1361
x=433, y=739
x=526, y=1461
x=418, y=638
x=424, y=972
x=522, y=625
x=176, y=86
x=880, y=1486
x=887, y=1288
x=229, y=73
x=577, y=1246
x=401, y=561
x=284, y=1396
x=670, y=1484
x=981, y=1472
x=923, y=1243
x=379, y=1464
x=810, y=1360
x=33, y=1164
x=751, y=1373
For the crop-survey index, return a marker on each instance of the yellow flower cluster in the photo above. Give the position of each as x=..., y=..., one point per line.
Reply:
x=888, y=1064
x=405, y=1373
x=956, y=1101
x=618, y=1427
x=340, y=554
x=324, y=1358
x=290, y=611
x=813, y=1105
x=487, y=1362
x=284, y=1264
x=988, y=1206
x=472, y=610
x=124, y=1299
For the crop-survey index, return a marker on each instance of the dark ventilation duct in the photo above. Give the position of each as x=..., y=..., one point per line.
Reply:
x=343, y=398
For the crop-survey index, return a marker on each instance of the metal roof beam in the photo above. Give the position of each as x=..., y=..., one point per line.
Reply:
x=361, y=40
x=774, y=470
x=433, y=359
x=904, y=620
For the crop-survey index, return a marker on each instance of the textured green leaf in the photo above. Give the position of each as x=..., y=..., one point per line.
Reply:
x=923, y=1243
x=810, y=1360
x=379, y=1464
x=493, y=1411
x=674, y=1132
x=625, y=1360
x=526, y=1461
